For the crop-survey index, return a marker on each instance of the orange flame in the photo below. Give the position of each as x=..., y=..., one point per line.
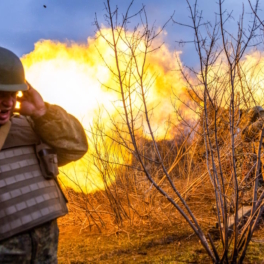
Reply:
x=67, y=74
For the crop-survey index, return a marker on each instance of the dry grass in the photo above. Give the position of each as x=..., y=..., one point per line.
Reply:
x=166, y=243
x=131, y=221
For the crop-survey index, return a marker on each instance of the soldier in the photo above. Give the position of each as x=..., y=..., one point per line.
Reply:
x=250, y=136
x=32, y=146
x=253, y=124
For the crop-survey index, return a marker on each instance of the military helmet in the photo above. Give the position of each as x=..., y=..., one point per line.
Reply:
x=12, y=76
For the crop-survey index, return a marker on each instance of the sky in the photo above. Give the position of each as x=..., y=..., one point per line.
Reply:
x=25, y=22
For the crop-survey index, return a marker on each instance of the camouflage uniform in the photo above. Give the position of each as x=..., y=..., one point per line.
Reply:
x=38, y=246
x=65, y=134
x=250, y=137
x=247, y=135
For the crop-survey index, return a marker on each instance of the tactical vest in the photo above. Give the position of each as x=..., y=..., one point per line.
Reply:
x=27, y=199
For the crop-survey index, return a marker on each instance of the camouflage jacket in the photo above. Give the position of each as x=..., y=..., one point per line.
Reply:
x=253, y=124
x=63, y=132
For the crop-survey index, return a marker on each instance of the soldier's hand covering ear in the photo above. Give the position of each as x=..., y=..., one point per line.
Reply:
x=31, y=103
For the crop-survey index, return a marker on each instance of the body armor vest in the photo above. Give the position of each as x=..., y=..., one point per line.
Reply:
x=27, y=199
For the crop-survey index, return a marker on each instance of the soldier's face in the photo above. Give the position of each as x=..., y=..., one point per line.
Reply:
x=7, y=105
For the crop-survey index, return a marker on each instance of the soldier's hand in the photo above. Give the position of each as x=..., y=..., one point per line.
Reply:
x=31, y=103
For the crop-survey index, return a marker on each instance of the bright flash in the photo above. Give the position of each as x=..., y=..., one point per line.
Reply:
x=70, y=75
x=19, y=94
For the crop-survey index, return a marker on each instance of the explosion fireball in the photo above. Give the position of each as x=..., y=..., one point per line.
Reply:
x=71, y=75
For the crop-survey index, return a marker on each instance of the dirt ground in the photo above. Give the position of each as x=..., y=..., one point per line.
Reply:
x=166, y=244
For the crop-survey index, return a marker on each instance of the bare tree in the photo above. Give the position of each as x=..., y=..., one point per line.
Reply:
x=131, y=50
x=213, y=89
x=220, y=80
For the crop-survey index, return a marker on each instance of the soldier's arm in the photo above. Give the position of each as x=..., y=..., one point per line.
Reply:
x=63, y=132
x=55, y=126
x=251, y=131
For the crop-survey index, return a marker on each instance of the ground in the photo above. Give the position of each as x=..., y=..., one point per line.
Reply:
x=166, y=244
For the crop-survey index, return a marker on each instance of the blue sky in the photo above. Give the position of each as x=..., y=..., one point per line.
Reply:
x=24, y=22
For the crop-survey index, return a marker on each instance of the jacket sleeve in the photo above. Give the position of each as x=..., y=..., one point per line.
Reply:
x=254, y=120
x=251, y=132
x=63, y=132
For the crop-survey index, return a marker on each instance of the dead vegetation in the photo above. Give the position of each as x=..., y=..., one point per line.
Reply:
x=196, y=180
